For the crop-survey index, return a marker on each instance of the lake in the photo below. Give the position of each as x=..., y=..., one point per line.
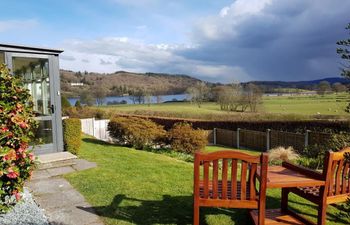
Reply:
x=128, y=99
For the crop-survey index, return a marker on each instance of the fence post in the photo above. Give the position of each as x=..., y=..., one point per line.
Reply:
x=238, y=129
x=268, y=139
x=307, y=138
x=214, y=136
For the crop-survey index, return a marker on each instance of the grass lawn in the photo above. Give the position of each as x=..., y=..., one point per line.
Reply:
x=297, y=107
x=138, y=187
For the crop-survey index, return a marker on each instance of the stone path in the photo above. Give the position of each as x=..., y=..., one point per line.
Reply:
x=62, y=204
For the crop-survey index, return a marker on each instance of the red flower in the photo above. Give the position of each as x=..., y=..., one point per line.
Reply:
x=4, y=129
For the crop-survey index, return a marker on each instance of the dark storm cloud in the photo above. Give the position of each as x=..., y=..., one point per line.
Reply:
x=281, y=40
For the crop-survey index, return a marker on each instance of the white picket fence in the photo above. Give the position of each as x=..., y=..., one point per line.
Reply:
x=96, y=128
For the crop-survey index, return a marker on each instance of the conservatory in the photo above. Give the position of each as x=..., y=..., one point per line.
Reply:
x=39, y=68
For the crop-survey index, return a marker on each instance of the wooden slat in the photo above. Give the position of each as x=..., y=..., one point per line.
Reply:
x=331, y=182
x=245, y=204
x=227, y=155
x=244, y=180
x=348, y=191
x=276, y=217
x=234, y=179
x=280, y=177
x=338, y=176
x=206, y=179
x=252, y=181
x=215, y=178
x=224, y=179
x=345, y=175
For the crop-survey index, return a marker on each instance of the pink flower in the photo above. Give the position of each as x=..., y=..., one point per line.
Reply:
x=31, y=156
x=12, y=174
x=23, y=125
x=17, y=195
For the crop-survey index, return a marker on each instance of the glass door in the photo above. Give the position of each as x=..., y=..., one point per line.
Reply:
x=35, y=70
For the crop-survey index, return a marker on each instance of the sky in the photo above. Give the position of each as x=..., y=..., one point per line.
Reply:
x=213, y=40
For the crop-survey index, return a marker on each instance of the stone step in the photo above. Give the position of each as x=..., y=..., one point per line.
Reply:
x=54, y=160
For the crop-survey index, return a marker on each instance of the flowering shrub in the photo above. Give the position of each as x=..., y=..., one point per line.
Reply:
x=16, y=124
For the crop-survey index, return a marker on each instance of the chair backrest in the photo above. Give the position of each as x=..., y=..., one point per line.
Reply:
x=337, y=173
x=228, y=178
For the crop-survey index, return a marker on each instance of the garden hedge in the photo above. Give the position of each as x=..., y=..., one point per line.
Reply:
x=72, y=135
x=137, y=132
x=329, y=126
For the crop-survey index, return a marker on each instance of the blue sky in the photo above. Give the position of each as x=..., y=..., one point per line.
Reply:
x=221, y=40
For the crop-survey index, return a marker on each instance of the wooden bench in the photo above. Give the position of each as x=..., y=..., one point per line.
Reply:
x=336, y=172
x=231, y=186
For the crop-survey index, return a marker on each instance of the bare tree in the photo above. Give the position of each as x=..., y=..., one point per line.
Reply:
x=339, y=87
x=100, y=94
x=198, y=93
x=236, y=98
x=254, y=96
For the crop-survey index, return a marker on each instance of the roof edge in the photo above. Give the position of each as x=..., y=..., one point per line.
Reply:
x=33, y=48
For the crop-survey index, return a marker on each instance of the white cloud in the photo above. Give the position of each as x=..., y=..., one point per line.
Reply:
x=6, y=25
x=114, y=53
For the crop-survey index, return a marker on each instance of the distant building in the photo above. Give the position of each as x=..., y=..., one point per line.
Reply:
x=76, y=84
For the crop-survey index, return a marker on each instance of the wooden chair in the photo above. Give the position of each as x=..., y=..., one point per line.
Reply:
x=233, y=187
x=336, y=172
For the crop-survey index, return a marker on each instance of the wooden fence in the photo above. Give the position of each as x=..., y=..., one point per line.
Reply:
x=263, y=141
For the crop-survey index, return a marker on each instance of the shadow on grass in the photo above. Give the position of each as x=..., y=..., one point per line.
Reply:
x=168, y=210
x=97, y=142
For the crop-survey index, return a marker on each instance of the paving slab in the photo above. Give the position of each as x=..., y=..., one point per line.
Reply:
x=40, y=174
x=81, y=164
x=73, y=215
x=63, y=205
x=48, y=186
x=59, y=200
x=60, y=170
x=54, y=157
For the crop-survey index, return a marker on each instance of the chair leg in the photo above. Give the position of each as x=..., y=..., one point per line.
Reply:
x=322, y=214
x=284, y=200
x=195, y=214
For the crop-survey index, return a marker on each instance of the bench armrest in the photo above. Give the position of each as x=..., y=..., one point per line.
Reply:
x=305, y=171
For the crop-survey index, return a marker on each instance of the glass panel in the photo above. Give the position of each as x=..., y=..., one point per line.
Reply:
x=2, y=57
x=43, y=134
x=35, y=74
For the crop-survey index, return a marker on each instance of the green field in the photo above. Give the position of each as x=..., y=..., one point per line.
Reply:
x=130, y=186
x=293, y=107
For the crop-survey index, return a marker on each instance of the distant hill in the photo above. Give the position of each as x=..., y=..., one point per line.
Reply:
x=122, y=82
x=299, y=84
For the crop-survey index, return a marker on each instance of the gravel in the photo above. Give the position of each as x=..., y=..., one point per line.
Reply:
x=26, y=212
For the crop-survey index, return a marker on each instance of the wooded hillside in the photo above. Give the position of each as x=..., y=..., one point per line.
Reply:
x=122, y=82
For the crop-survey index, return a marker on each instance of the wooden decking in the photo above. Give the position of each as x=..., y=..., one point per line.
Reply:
x=275, y=217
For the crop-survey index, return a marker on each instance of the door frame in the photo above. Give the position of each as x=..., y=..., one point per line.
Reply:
x=54, y=81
